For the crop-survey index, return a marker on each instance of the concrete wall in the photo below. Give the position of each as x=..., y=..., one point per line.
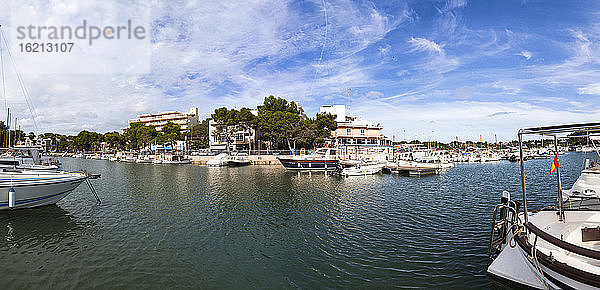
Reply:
x=256, y=159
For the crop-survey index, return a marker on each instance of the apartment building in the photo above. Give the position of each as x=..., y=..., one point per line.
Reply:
x=158, y=120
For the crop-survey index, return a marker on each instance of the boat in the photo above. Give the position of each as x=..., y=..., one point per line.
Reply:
x=557, y=246
x=28, y=158
x=219, y=160
x=32, y=188
x=240, y=159
x=362, y=169
x=176, y=159
x=157, y=161
x=35, y=188
x=144, y=159
x=320, y=159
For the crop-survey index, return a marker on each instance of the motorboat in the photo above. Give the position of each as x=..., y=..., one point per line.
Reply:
x=28, y=158
x=362, y=169
x=556, y=247
x=177, y=159
x=219, y=160
x=144, y=159
x=320, y=159
x=36, y=188
x=240, y=159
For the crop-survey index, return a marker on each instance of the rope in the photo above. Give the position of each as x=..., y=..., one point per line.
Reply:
x=540, y=274
x=21, y=83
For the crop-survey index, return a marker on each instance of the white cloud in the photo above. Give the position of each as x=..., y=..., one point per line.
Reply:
x=526, y=54
x=424, y=45
x=592, y=89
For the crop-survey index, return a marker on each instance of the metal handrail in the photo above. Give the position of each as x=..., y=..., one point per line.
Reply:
x=562, y=244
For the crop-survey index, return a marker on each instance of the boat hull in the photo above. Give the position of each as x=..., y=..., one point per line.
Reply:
x=309, y=164
x=33, y=192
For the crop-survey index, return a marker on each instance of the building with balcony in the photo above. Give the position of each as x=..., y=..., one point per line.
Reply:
x=184, y=120
x=357, y=138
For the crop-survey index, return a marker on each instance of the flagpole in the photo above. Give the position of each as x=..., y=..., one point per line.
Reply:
x=561, y=214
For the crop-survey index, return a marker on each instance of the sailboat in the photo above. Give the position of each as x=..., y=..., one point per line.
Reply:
x=27, y=188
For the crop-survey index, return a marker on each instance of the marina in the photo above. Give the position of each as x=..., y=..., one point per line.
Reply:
x=332, y=144
x=275, y=229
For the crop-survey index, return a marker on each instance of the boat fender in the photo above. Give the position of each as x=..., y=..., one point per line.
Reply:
x=11, y=198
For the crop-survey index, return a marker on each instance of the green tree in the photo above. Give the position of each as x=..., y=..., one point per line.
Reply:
x=170, y=133
x=279, y=121
x=114, y=140
x=200, y=138
x=87, y=140
x=229, y=122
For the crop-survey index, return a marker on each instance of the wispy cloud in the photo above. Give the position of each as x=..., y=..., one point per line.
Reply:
x=424, y=45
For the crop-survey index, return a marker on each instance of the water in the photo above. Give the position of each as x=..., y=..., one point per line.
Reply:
x=191, y=226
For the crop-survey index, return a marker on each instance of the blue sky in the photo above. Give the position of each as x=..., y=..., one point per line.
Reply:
x=423, y=69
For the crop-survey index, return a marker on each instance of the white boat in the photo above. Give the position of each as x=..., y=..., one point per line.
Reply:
x=35, y=188
x=556, y=247
x=217, y=161
x=157, y=161
x=144, y=159
x=362, y=169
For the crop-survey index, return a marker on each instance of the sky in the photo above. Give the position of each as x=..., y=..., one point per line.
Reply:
x=427, y=70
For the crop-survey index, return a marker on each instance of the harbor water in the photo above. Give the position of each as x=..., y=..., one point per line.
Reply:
x=187, y=226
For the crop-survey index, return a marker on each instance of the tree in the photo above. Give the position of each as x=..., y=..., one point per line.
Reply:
x=139, y=135
x=200, y=138
x=230, y=122
x=114, y=140
x=279, y=121
x=87, y=140
x=171, y=132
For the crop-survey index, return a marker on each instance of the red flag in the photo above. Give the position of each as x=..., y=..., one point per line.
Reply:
x=554, y=164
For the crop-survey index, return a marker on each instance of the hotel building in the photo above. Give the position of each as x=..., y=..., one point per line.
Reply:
x=185, y=120
x=357, y=138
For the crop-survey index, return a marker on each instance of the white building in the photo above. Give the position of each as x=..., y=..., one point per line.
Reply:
x=357, y=138
x=338, y=110
x=184, y=120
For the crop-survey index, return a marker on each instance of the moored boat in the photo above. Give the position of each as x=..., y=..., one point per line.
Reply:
x=321, y=159
x=34, y=188
x=362, y=169
x=555, y=247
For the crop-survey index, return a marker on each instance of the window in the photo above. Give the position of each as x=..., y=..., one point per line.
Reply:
x=239, y=137
x=362, y=132
x=349, y=131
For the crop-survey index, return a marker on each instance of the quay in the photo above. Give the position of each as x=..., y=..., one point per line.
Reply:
x=255, y=159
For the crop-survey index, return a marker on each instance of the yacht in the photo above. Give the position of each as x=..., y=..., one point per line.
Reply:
x=320, y=159
x=26, y=189
x=557, y=246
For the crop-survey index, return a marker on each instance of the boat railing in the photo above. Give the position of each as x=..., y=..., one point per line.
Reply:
x=562, y=244
x=500, y=227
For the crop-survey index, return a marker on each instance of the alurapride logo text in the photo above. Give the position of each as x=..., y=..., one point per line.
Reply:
x=83, y=32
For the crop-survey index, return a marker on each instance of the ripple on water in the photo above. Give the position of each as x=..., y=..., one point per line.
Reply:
x=191, y=226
